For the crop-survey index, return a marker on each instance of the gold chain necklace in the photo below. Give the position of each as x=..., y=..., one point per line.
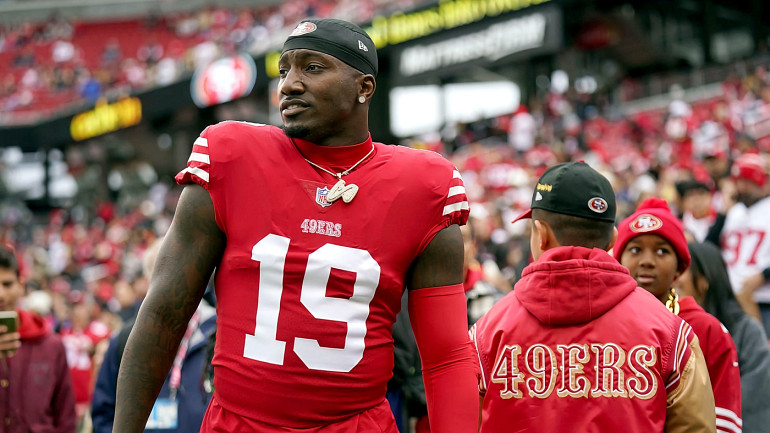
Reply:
x=340, y=189
x=673, y=301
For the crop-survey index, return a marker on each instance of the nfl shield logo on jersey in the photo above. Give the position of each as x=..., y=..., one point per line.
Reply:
x=320, y=196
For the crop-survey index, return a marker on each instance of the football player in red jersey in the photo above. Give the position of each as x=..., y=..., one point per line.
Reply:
x=315, y=230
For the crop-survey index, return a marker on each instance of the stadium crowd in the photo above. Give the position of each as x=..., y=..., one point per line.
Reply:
x=49, y=66
x=83, y=265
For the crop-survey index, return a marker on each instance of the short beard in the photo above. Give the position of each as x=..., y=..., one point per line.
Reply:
x=747, y=199
x=296, y=131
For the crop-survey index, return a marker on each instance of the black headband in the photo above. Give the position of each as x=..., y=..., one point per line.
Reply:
x=338, y=38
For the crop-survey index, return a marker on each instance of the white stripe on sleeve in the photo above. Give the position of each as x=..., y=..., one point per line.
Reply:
x=200, y=157
x=456, y=174
x=679, y=346
x=200, y=141
x=727, y=427
x=456, y=190
x=684, y=348
x=729, y=415
x=203, y=174
x=463, y=205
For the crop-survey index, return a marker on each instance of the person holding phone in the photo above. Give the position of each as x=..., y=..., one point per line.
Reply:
x=35, y=384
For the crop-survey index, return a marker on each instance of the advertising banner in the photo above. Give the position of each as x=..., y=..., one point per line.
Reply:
x=492, y=41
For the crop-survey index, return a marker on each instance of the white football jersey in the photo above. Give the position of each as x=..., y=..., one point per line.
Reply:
x=746, y=244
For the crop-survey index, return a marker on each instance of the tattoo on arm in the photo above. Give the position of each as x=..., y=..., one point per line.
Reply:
x=190, y=251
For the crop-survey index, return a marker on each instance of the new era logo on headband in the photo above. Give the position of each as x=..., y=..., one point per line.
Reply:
x=361, y=46
x=303, y=29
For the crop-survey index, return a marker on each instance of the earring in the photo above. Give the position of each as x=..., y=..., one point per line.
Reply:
x=362, y=99
x=673, y=301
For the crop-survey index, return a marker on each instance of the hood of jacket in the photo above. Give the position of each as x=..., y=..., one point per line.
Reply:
x=573, y=285
x=32, y=326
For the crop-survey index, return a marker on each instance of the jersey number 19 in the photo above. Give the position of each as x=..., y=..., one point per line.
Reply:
x=264, y=346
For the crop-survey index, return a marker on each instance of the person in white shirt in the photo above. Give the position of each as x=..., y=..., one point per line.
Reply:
x=745, y=238
x=698, y=213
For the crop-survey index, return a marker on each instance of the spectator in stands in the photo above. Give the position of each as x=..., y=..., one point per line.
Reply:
x=80, y=336
x=483, y=287
x=717, y=165
x=127, y=300
x=112, y=54
x=36, y=386
x=25, y=58
x=62, y=51
x=90, y=88
x=707, y=282
x=7, y=84
x=183, y=389
x=522, y=130
x=698, y=215
x=745, y=245
x=150, y=53
x=134, y=74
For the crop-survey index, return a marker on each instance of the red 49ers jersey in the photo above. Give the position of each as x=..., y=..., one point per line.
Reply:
x=308, y=290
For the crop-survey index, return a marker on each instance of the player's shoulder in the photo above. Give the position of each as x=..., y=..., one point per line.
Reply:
x=230, y=129
x=227, y=140
x=430, y=164
x=412, y=154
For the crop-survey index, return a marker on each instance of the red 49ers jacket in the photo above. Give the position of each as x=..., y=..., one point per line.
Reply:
x=577, y=346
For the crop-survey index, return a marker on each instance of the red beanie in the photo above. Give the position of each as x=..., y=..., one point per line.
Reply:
x=750, y=166
x=653, y=216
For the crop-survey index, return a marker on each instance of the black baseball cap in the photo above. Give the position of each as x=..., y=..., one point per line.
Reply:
x=341, y=39
x=576, y=189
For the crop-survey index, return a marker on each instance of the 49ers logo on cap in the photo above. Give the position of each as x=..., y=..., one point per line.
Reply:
x=598, y=204
x=645, y=223
x=303, y=29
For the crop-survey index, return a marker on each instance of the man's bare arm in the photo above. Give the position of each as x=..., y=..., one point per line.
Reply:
x=191, y=250
x=441, y=264
x=437, y=311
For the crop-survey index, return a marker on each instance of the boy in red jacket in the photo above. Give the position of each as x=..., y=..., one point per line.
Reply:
x=577, y=346
x=35, y=385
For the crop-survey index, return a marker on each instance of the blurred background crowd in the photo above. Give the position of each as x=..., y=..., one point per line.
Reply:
x=60, y=63
x=82, y=258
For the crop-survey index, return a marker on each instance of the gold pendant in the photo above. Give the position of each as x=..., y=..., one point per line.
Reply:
x=673, y=302
x=341, y=190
